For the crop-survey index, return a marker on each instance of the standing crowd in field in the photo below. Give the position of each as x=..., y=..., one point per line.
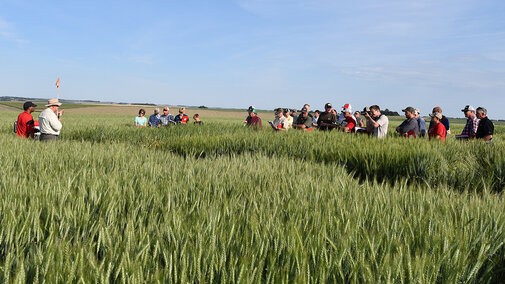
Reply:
x=165, y=119
x=373, y=123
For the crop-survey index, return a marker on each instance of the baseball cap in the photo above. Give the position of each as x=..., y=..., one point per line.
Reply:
x=304, y=110
x=409, y=109
x=436, y=114
x=467, y=108
x=254, y=110
x=327, y=105
x=166, y=108
x=347, y=106
x=278, y=110
x=418, y=111
x=251, y=108
x=28, y=105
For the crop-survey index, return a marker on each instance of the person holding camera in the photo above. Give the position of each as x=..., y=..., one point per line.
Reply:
x=376, y=122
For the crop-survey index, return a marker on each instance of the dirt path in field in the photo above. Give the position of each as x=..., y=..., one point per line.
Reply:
x=7, y=108
x=133, y=111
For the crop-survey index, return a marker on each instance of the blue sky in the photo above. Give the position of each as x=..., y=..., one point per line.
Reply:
x=265, y=53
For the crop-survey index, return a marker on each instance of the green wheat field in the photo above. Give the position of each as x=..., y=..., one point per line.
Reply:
x=219, y=203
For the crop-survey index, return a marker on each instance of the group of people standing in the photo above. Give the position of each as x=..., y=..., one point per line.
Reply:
x=346, y=121
x=165, y=119
x=478, y=125
x=48, y=126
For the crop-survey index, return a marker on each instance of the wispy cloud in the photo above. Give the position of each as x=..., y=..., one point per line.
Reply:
x=7, y=31
x=456, y=73
x=143, y=59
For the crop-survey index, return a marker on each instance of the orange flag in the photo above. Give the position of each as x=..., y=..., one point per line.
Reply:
x=58, y=83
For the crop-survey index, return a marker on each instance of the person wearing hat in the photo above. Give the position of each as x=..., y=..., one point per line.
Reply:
x=249, y=110
x=25, y=126
x=303, y=121
x=472, y=122
x=445, y=120
x=437, y=130
x=166, y=118
x=154, y=119
x=181, y=117
x=409, y=127
x=293, y=115
x=485, y=130
x=288, y=117
x=327, y=120
x=280, y=122
x=421, y=123
x=49, y=121
x=349, y=124
x=345, y=108
x=254, y=120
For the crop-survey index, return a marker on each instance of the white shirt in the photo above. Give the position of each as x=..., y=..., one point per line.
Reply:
x=281, y=121
x=49, y=123
x=382, y=130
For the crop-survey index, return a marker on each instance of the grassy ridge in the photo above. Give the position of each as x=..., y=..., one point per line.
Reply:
x=119, y=212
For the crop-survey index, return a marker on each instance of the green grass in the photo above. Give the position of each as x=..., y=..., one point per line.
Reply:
x=219, y=203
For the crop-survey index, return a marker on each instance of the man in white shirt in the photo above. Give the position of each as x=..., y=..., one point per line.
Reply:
x=280, y=122
x=49, y=121
x=378, y=122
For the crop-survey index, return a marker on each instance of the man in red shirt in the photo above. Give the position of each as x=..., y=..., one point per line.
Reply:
x=25, y=125
x=349, y=124
x=254, y=120
x=437, y=129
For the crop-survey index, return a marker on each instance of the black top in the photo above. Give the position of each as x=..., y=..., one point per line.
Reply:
x=326, y=117
x=485, y=128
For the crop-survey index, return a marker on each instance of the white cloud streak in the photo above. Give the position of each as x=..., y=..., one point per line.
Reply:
x=7, y=31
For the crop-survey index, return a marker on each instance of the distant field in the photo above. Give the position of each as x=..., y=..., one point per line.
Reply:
x=41, y=105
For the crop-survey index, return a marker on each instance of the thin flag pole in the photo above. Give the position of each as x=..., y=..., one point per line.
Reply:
x=58, y=87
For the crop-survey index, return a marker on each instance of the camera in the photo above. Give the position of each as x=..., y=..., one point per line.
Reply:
x=366, y=111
